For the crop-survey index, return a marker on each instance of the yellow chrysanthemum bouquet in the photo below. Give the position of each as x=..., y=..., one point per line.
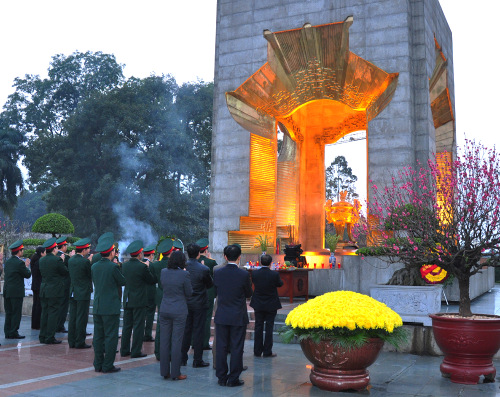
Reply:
x=347, y=318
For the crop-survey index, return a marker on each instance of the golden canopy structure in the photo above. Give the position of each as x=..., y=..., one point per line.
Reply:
x=315, y=91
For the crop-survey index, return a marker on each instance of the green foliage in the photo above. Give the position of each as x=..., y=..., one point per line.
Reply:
x=53, y=223
x=339, y=177
x=264, y=242
x=33, y=241
x=29, y=252
x=344, y=337
x=332, y=241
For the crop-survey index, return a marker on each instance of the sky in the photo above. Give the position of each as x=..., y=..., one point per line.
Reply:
x=178, y=38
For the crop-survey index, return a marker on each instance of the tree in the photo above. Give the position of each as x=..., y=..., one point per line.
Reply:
x=445, y=214
x=11, y=180
x=55, y=224
x=339, y=177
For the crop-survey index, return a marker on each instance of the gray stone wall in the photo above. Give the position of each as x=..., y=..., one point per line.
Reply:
x=395, y=35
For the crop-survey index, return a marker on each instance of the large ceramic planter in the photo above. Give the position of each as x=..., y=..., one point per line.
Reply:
x=412, y=303
x=337, y=369
x=469, y=345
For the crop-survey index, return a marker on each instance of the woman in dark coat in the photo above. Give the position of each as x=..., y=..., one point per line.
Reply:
x=173, y=312
x=36, y=280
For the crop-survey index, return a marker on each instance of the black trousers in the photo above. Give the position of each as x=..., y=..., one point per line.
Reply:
x=263, y=345
x=172, y=330
x=195, y=325
x=233, y=337
x=36, y=310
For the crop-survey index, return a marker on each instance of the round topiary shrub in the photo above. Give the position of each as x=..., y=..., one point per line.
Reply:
x=55, y=224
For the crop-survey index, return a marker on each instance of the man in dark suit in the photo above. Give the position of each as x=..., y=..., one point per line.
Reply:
x=265, y=302
x=16, y=270
x=233, y=286
x=62, y=252
x=79, y=268
x=197, y=307
x=135, y=299
x=107, y=279
x=52, y=290
x=149, y=254
x=206, y=260
x=165, y=248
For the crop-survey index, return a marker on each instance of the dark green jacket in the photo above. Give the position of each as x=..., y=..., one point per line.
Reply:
x=15, y=273
x=210, y=263
x=81, y=277
x=54, y=275
x=156, y=268
x=138, y=277
x=107, y=279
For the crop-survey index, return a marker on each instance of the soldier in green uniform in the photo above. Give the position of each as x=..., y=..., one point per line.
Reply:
x=178, y=246
x=165, y=248
x=149, y=254
x=107, y=279
x=81, y=287
x=62, y=249
x=97, y=256
x=210, y=263
x=52, y=290
x=135, y=300
x=16, y=270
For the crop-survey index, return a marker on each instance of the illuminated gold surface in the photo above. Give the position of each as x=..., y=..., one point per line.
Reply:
x=318, y=92
x=343, y=215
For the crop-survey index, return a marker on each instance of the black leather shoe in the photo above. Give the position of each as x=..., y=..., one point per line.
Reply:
x=222, y=382
x=269, y=355
x=88, y=333
x=54, y=342
x=148, y=339
x=139, y=355
x=245, y=367
x=125, y=354
x=200, y=364
x=98, y=370
x=235, y=383
x=85, y=346
x=114, y=369
x=257, y=355
x=16, y=336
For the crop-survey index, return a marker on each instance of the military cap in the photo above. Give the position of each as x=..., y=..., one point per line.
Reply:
x=135, y=248
x=239, y=246
x=83, y=243
x=203, y=243
x=178, y=246
x=17, y=246
x=61, y=241
x=50, y=243
x=105, y=245
x=165, y=247
x=150, y=249
x=106, y=235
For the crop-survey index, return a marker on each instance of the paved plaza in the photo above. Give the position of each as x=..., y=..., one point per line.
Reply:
x=29, y=368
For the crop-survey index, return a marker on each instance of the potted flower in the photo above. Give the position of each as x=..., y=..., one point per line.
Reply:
x=450, y=214
x=331, y=241
x=263, y=242
x=342, y=333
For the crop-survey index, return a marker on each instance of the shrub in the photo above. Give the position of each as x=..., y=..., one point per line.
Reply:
x=55, y=224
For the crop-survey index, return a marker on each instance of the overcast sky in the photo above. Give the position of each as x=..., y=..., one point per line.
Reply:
x=178, y=37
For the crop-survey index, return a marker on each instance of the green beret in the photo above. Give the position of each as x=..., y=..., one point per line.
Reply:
x=165, y=246
x=50, y=243
x=134, y=247
x=16, y=246
x=107, y=235
x=178, y=244
x=61, y=240
x=105, y=245
x=202, y=242
x=150, y=248
x=83, y=243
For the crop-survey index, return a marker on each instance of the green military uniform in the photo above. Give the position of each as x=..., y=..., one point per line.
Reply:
x=52, y=290
x=63, y=314
x=79, y=302
x=211, y=292
x=165, y=248
x=13, y=290
x=135, y=300
x=97, y=256
x=107, y=279
x=151, y=307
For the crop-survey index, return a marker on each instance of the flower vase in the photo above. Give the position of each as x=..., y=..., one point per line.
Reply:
x=337, y=368
x=332, y=260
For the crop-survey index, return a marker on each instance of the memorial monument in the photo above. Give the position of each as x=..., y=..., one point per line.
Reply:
x=317, y=71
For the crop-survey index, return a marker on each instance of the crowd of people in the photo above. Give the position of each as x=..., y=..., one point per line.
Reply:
x=183, y=289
